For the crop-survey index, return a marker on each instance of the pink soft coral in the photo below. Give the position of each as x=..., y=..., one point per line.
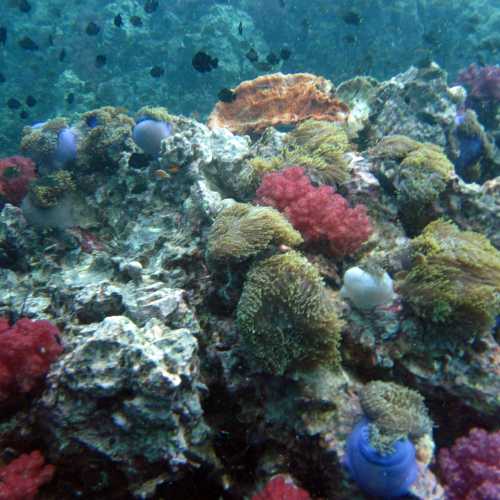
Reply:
x=27, y=349
x=471, y=468
x=317, y=212
x=281, y=487
x=16, y=172
x=21, y=479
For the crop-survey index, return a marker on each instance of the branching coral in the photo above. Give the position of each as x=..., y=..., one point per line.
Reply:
x=471, y=468
x=16, y=173
x=281, y=487
x=395, y=412
x=285, y=316
x=22, y=478
x=454, y=282
x=278, y=99
x=27, y=349
x=317, y=212
x=242, y=231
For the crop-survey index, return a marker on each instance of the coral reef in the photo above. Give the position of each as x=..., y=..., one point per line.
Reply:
x=278, y=99
x=453, y=283
x=286, y=317
x=470, y=468
x=242, y=231
x=16, y=173
x=317, y=212
x=27, y=349
x=22, y=478
x=156, y=410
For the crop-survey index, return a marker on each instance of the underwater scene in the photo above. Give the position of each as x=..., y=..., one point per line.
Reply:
x=249, y=249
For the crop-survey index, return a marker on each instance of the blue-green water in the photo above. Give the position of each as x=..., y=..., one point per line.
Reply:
x=338, y=40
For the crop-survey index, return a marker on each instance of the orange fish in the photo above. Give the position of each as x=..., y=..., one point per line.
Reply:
x=161, y=174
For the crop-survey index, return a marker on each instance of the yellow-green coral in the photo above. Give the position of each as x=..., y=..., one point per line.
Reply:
x=395, y=412
x=47, y=191
x=454, y=282
x=102, y=145
x=394, y=147
x=40, y=143
x=421, y=175
x=317, y=146
x=286, y=317
x=154, y=113
x=242, y=231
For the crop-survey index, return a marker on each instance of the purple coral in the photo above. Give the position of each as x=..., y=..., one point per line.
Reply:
x=482, y=83
x=471, y=468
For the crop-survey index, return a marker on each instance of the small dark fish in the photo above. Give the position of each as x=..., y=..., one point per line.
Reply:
x=92, y=29
x=252, y=55
x=51, y=40
x=204, y=63
x=13, y=103
x=30, y=101
x=272, y=59
x=282, y=3
x=227, y=95
x=285, y=53
x=62, y=55
x=2, y=78
x=100, y=61
x=352, y=17
x=23, y=114
x=27, y=43
x=24, y=6
x=430, y=38
x=3, y=35
x=240, y=28
x=92, y=121
x=350, y=38
x=118, y=21
x=263, y=66
x=156, y=72
x=150, y=6
x=70, y=98
x=136, y=21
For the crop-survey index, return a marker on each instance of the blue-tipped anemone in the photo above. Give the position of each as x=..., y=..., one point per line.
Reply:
x=382, y=475
x=148, y=134
x=66, y=147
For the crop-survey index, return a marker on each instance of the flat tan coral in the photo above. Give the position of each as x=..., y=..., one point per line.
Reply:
x=278, y=99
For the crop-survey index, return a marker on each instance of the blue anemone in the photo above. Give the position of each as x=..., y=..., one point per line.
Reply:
x=382, y=475
x=148, y=134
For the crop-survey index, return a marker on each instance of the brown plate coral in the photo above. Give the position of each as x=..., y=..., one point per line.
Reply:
x=278, y=99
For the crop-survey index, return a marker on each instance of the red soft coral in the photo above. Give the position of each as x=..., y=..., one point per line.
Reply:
x=281, y=487
x=317, y=212
x=21, y=479
x=27, y=349
x=471, y=468
x=16, y=173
